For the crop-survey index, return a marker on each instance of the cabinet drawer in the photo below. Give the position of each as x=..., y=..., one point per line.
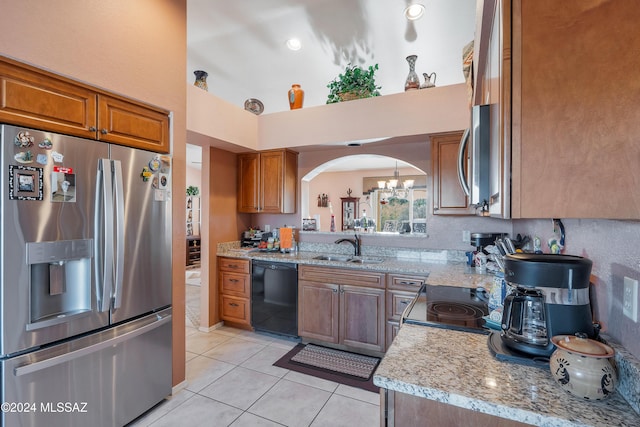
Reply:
x=234, y=309
x=397, y=301
x=233, y=265
x=234, y=284
x=342, y=276
x=405, y=282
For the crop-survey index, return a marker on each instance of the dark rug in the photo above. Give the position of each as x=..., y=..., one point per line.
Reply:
x=343, y=367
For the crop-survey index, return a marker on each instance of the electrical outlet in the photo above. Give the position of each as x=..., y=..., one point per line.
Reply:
x=630, y=299
x=466, y=236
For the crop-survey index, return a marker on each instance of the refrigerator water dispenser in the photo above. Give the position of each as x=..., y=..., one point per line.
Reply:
x=60, y=281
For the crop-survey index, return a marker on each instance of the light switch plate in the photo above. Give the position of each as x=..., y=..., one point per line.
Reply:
x=630, y=299
x=466, y=236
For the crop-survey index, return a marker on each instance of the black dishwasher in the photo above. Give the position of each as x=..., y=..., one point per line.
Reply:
x=274, y=297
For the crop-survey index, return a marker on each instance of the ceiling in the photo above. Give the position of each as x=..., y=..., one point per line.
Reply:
x=241, y=44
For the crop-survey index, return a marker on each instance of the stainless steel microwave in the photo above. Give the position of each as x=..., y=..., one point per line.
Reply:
x=474, y=162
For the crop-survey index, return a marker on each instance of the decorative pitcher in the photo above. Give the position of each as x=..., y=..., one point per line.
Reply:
x=429, y=80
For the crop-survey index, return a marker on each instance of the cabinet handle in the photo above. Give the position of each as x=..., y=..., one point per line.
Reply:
x=93, y=128
x=233, y=280
x=104, y=131
x=334, y=290
x=233, y=304
x=409, y=283
x=405, y=302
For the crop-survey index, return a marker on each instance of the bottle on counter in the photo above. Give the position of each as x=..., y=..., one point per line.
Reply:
x=333, y=223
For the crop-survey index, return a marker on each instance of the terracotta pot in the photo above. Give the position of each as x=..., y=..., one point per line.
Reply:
x=583, y=367
x=296, y=97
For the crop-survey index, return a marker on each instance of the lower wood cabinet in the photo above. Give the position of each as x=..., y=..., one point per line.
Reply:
x=401, y=290
x=234, y=285
x=340, y=306
x=405, y=410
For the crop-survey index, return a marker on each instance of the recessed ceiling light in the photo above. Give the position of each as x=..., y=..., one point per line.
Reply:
x=414, y=11
x=294, y=44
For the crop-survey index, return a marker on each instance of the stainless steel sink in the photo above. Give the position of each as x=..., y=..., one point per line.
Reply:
x=366, y=260
x=341, y=258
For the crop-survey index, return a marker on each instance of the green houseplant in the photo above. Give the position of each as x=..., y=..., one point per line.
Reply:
x=355, y=83
x=192, y=190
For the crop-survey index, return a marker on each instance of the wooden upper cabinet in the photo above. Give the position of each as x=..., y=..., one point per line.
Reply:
x=248, y=182
x=267, y=182
x=575, y=109
x=35, y=99
x=448, y=196
x=557, y=76
x=134, y=125
x=42, y=100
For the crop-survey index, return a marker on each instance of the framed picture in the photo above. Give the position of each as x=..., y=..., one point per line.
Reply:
x=25, y=183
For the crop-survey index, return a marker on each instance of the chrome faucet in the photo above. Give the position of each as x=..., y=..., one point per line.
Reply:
x=356, y=242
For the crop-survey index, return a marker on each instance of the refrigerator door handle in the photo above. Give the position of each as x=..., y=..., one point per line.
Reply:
x=67, y=357
x=119, y=233
x=103, y=231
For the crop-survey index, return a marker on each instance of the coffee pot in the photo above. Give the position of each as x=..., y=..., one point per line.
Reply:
x=549, y=297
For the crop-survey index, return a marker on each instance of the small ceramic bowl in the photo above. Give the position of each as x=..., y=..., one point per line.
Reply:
x=583, y=367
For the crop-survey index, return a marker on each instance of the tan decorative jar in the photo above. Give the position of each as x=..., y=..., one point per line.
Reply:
x=583, y=367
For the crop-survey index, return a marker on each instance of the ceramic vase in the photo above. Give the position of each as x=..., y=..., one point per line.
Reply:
x=201, y=79
x=296, y=97
x=413, y=81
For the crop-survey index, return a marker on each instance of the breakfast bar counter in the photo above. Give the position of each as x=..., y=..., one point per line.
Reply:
x=456, y=368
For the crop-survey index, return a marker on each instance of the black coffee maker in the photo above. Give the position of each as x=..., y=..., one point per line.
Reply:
x=550, y=297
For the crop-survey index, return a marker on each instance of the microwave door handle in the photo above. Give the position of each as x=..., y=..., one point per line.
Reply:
x=103, y=232
x=119, y=232
x=462, y=177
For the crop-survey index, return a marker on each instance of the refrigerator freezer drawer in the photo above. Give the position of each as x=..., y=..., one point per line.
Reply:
x=105, y=379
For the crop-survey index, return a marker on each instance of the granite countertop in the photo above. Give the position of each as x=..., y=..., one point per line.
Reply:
x=457, y=368
x=439, y=271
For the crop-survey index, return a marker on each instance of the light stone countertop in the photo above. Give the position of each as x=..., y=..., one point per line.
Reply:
x=440, y=271
x=457, y=368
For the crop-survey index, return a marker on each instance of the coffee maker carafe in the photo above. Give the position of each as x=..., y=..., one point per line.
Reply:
x=550, y=297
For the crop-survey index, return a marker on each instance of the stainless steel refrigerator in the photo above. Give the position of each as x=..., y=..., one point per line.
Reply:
x=85, y=280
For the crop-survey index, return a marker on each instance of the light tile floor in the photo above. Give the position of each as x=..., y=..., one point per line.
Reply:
x=231, y=381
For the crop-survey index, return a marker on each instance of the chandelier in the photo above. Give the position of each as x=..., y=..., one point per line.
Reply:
x=395, y=188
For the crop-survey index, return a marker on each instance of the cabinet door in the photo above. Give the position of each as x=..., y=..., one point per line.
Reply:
x=248, y=182
x=448, y=196
x=271, y=181
x=362, y=317
x=392, y=331
x=575, y=137
x=134, y=125
x=37, y=99
x=405, y=410
x=318, y=306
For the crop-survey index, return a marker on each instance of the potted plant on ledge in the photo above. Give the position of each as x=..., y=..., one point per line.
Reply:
x=354, y=83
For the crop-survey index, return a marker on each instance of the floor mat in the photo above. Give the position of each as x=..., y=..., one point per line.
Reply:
x=339, y=366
